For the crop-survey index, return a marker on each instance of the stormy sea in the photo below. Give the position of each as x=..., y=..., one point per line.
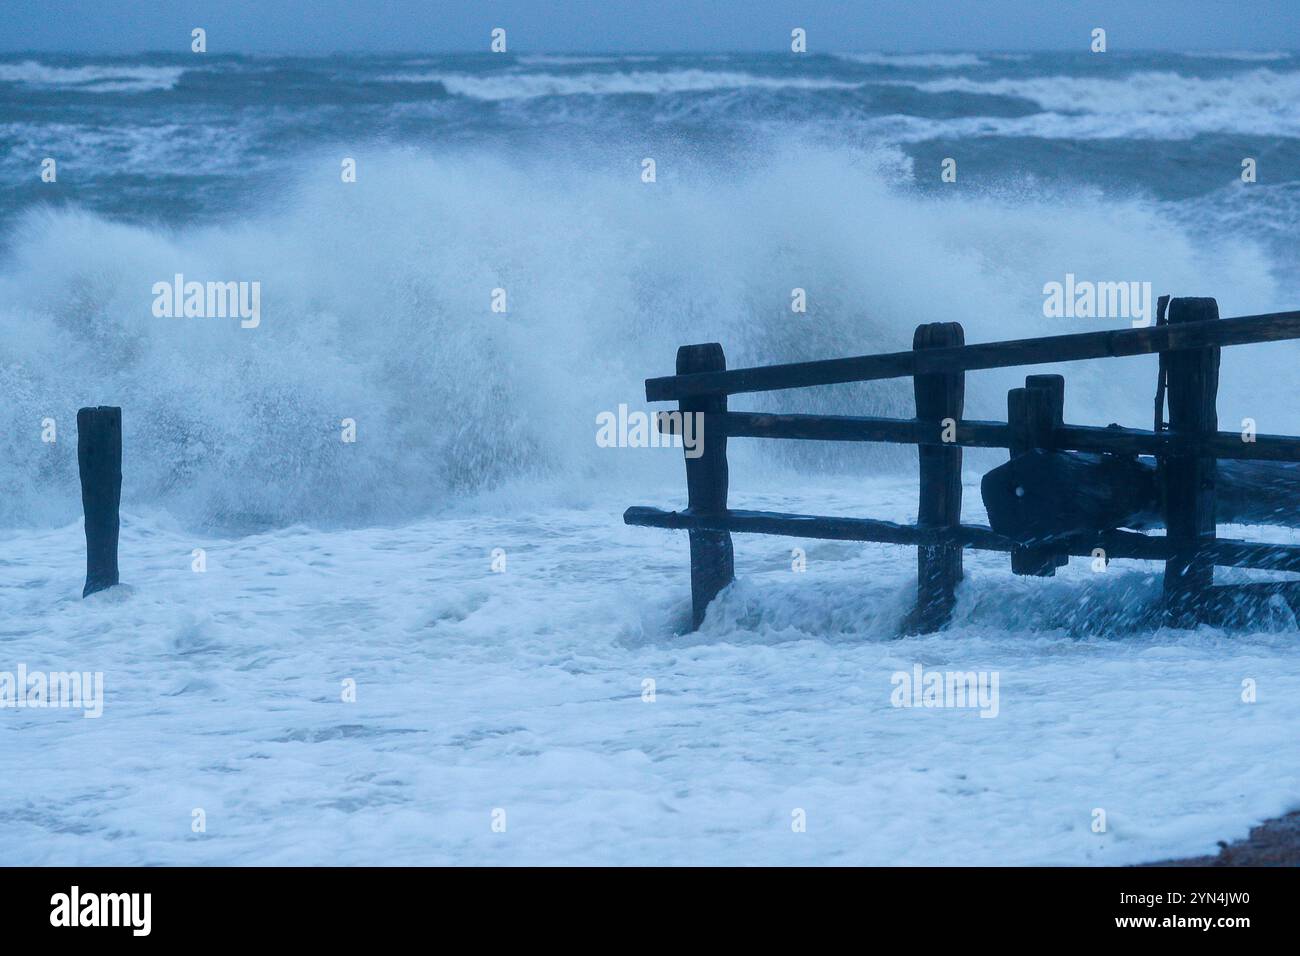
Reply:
x=376, y=582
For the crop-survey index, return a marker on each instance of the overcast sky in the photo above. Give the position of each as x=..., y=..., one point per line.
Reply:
x=322, y=26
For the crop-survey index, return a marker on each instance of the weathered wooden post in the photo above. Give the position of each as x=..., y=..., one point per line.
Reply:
x=1189, y=478
x=99, y=458
x=1033, y=413
x=712, y=557
x=938, y=397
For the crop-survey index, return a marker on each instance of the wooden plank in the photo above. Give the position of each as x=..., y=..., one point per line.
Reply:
x=1270, y=327
x=99, y=460
x=904, y=431
x=984, y=434
x=1117, y=544
x=1192, y=389
x=938, y=397
x=1034, y=412
x=1131, y=441
x=827, y=528
x=1249, y=554
x=712, y=556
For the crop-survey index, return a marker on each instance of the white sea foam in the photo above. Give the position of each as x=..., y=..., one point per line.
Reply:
x=102, y=78
x=524, y=690
x=1157, y=127
x=1243, y=56
x=147, y=150
x=558, y=59
x=375, y=306
x=1259, y=101
x=531, y=85
x=927, y=61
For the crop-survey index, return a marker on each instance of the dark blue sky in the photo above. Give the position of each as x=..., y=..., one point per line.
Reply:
x=321, y=26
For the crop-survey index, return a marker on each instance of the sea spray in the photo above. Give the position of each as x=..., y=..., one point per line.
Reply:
x=382, y=292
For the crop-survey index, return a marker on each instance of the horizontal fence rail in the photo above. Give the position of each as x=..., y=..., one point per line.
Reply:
x=1133, y=545
x=981, y=434
x=899, y=431
x=1270, y=327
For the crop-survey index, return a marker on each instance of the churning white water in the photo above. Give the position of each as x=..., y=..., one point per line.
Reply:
x=376, y=306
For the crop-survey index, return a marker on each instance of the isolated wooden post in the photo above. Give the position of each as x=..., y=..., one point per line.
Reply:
x=99, y=458
x=712, y=557
x=1033, y=413
x=938, y=397
x=1189, y=479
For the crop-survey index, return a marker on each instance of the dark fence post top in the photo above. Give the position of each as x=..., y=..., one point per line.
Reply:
x=938, y=335
x=707, y=357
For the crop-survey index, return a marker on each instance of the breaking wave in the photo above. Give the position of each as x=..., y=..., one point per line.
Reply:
x=923, y=61
x=531, y=85
x=91, y=79
x=1262, y=102
x=376, y=307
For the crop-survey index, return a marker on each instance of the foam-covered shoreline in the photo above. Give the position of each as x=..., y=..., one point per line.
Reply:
x=525, y=689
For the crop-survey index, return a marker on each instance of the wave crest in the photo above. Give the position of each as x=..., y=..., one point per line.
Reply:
x=107, y=78
x=376, y=307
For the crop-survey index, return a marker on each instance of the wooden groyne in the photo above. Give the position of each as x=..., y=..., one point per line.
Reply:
x=1185, y=453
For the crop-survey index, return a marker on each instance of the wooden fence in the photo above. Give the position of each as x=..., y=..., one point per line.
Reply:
x=1188, y=336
